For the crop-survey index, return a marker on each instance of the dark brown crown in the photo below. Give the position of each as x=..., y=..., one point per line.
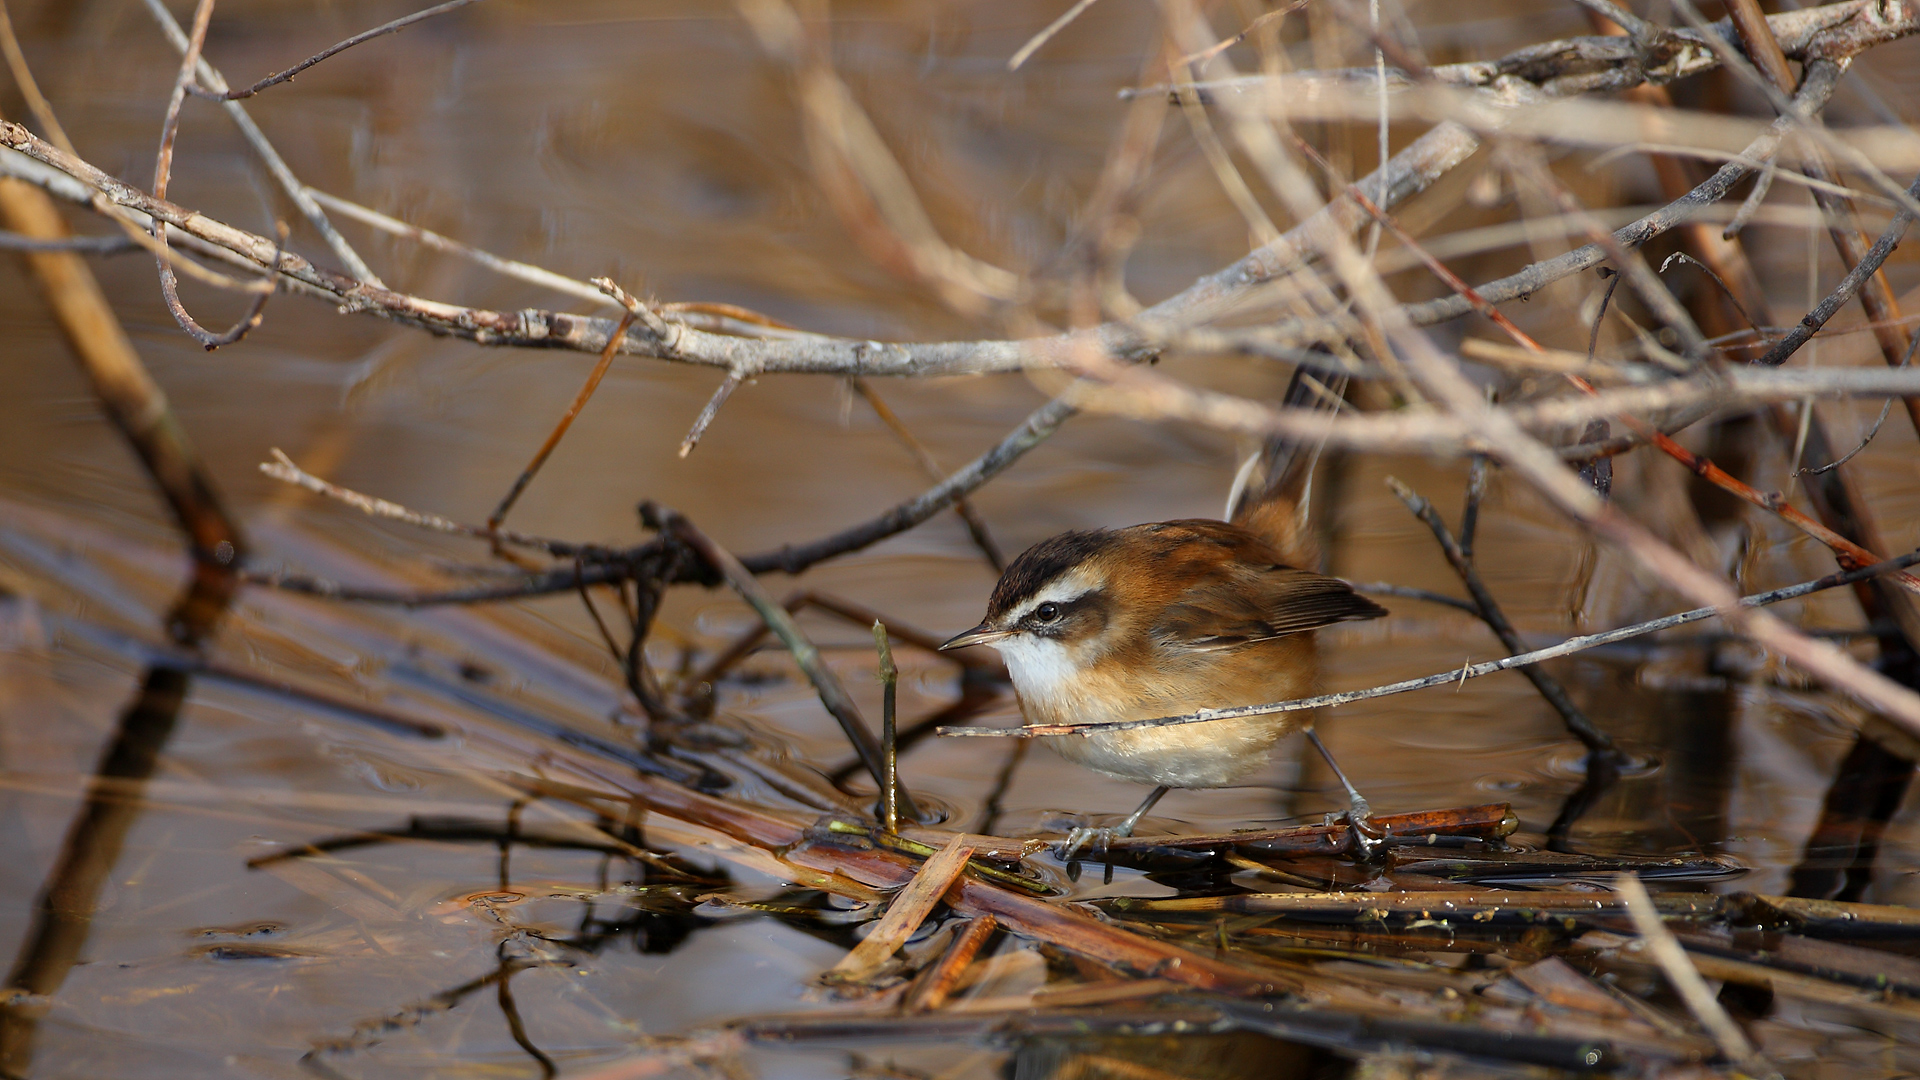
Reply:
x=1040, y=564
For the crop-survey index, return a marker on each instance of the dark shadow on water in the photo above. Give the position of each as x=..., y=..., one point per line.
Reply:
x=63, y=912
x=1867, y=790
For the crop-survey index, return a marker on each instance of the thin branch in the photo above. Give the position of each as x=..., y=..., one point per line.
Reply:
x=282, y=174
x=1410, y=171
x=793, y=558
x=1454, y=675
x=1838, y=30
x=170, y=293
x=1868, y=266
x=1576, y=719
x=1750, y=206
x=86, y=245
x=282, y=468
x=1045, y=35
x=1725, y=289
x=220, y=94
x=1600, y=63
x=1850, y=554
x=1478, y=474
x=560, y=429
x=1812, y=96
x=1626, y=260
x=1886, y=409
x=720, y=395
x=976, y=525
x=833, y=695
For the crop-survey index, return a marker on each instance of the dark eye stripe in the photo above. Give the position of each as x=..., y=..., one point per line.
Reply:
x=1092, y=601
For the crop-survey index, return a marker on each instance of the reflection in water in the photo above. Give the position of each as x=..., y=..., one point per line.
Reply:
x=63, y=911
x=653, y=911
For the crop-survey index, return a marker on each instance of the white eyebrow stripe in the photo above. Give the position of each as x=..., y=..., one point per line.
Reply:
x=1064, y=589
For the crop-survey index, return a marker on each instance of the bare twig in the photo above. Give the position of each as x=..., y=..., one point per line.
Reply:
x=560, y=429
x=1868, y=266
x=88, y=245
x=208, y=76
x=282, y=468
x=1850, y=554
x=792, y=558
x=1045, y=35
x=1576, y=720
x=1410, y=171
x=1886, y=409
x=1478, y=475
x=720, y=395
x=220, y=94
x=825, y=682
x=1773, y=79
x=976, y=525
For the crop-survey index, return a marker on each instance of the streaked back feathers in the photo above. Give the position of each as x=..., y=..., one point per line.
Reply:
x=1191, y=584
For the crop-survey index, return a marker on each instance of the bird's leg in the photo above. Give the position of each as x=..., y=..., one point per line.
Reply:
x=1078, y=838
x=1366, y=839
x=1126, y=827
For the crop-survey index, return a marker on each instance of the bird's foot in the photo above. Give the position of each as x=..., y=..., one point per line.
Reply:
x=1093, y=843
x=1366, y=839
x=1088, y=839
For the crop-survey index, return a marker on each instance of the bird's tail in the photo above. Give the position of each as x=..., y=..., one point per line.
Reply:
x=1273, y=488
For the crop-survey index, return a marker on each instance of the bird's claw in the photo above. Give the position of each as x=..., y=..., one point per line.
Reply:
x=1094, y=842
x=1085, y=837
x=1367, y=839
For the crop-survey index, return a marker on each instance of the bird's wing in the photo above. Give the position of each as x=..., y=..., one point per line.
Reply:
x=1247, y=603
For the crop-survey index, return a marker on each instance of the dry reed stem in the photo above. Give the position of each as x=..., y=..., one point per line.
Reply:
x=905, y=912
x=936, y=984
x=1685, y=978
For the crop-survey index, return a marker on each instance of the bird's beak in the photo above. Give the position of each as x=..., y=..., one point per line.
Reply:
x=979, y=635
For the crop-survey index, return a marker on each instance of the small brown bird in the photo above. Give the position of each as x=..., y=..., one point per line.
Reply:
x=1170, y=618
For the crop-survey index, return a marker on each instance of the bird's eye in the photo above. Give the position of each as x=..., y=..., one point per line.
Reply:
x=1047, y=612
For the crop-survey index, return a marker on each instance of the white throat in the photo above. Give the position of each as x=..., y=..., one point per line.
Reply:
x=1044, y=671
